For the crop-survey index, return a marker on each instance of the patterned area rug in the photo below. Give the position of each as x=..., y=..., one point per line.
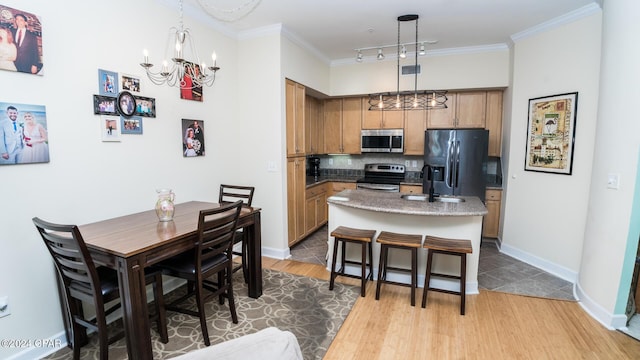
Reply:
x=302, y=305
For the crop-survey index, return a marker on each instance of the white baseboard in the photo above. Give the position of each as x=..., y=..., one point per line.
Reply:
x=607, y=319
x=279, y=254
x=548, y=266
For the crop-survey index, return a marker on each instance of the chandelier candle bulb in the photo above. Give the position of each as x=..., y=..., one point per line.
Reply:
x=146, y=56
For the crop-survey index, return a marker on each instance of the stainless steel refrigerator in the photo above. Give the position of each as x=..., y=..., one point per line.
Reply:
x=457, y=162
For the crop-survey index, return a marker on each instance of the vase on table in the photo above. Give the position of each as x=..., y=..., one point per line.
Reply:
x=164, y=205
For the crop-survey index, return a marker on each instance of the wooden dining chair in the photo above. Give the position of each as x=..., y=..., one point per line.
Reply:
x=229, y=194
x=83, y=281
x=216, y=229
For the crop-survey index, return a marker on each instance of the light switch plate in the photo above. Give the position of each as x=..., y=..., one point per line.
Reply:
x=613, y=181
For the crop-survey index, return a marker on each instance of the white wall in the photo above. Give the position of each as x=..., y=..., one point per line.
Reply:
x=611, y=235
x=466, y=70
x=551, y=207
x=87, y=179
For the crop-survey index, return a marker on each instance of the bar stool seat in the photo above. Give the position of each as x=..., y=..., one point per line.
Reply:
x=446, y=246
x=364, y=238
x=389, y=240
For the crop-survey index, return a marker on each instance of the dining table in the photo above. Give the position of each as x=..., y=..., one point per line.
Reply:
x=131, y=243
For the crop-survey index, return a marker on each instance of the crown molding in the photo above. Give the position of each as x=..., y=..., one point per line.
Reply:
x=567, y=18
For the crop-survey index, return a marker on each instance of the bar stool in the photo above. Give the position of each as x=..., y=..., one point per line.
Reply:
x=389, y=240
x=362, y=237
x=445, y=246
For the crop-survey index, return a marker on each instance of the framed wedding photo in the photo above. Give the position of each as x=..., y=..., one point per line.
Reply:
x=107, y=83
x=126, y=104
x=24, y=29
x=192, y=138
x=551, y=133
x=104, y=105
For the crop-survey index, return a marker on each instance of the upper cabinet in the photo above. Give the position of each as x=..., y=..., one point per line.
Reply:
x=295, y=114
x=376, y=119
x=314, y=126
x=494, y=121
x=464, y=110
x=342, y=125
x=415, y=124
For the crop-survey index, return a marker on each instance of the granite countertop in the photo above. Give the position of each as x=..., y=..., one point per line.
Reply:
x=393, y=203
x=313, y=181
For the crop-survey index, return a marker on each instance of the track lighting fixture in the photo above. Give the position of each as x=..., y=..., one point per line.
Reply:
x=380, y=54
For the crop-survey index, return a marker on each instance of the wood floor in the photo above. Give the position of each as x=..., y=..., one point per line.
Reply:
x=496, y=326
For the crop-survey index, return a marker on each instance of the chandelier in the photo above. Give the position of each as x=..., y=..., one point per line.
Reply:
x=405, y=100
x=185, y=69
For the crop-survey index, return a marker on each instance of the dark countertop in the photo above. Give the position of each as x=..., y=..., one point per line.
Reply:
x=492, y=183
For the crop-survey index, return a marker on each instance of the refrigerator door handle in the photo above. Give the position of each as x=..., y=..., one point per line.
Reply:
x=457, y=160
x=450, y=161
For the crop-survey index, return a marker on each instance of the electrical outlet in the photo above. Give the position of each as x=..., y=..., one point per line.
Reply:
x=348, y=161
x=330, y=161
x=4, y=306
x=414, y=163
x=271, y=166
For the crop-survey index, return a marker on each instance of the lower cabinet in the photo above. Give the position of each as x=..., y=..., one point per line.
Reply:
x=296, y=184
x=491, y=221
x=411, y=189
x=336, y=187
x=315, y=211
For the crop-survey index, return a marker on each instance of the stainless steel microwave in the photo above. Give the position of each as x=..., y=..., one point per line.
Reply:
x=382, y=141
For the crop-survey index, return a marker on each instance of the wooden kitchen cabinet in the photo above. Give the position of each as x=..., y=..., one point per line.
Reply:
x=411, y=189
x=465, y=110
x=342, y=125
x=491, y=221
x=295, y=113
x=337, y=187
x=376, y=119
x=315, y=208
x=415, y=125
x=296, y=185
x=494, y=121
x=314, y=126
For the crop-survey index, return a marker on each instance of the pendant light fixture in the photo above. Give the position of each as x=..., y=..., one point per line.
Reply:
x=407, y=100
x=185, y=70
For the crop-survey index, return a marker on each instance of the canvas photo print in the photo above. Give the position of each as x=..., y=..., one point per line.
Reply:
x=23, y=134
x=20, y=41
x=192, y=138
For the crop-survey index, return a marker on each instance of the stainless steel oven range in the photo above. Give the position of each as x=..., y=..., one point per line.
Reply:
x=382, y=177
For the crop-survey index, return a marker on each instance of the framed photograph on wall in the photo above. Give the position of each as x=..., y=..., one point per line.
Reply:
x=192, y=138
x=110, y=127
x=104, y=105
x=23, y=29
x=551, y=133
x=23, y=134
x=126, y=104
x=107, y=83
x=130, y=83
x=131, y=125
x=145, y=106
x=188, y=90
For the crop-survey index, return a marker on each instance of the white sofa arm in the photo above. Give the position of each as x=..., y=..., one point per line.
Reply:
x=268, y=344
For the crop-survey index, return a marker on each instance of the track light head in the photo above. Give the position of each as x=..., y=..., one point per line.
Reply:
x=380, y=55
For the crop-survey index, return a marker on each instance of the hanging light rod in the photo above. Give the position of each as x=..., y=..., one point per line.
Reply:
x=406, y=99
x=396, y=45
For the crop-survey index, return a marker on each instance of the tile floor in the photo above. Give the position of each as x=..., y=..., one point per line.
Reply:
x=497, y=271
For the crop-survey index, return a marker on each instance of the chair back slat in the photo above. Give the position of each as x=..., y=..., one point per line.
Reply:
x=216, y=228
x=71, y=258
x=232, y=193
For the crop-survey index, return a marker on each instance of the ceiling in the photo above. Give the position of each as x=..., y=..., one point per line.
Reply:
x=334, y=28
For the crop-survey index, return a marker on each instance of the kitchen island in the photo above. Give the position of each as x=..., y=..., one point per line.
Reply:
x=384, y=211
